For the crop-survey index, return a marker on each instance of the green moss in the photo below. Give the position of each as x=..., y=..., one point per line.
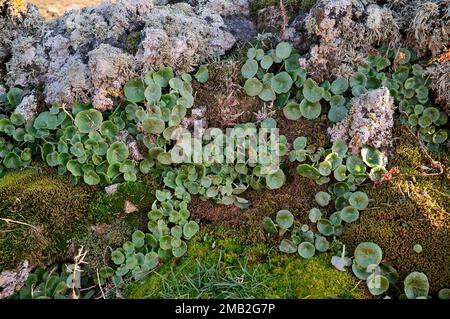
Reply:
x=63, y=218
x=411, y=209
x=105, y=208
x=53, y=208
x=217, y=258
x=132, y=42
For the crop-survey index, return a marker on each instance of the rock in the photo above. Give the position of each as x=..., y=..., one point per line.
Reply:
x=2, y=90
x=10, y=280
x=241, y=28
x=111, y=189
x=439, y=73
x=129, y=207
x=77, y=62
x=27, y=107
x=269, y=19
x=132, y=145
x=369, y=122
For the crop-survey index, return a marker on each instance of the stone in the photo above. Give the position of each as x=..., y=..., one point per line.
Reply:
x=11, y=280
x=370, y=121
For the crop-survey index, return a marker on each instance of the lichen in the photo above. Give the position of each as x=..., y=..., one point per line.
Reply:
x=82, y=55
x=439, y=73
x=370, y=121
x=27, y=107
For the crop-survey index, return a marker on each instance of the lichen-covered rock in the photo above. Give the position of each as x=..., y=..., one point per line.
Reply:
x=346, y=30
x=82, y=56
x=9, y=280
x=427, y=25
x=27, y=107
x=369, y=122
x=110, y=68
x=439, y=73
x=132, y=144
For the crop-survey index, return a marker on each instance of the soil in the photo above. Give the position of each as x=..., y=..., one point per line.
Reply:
x=54, y=8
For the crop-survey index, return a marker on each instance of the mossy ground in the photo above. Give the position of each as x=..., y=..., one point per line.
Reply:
x=411, y=209
x=63, y=218
x=219, y=264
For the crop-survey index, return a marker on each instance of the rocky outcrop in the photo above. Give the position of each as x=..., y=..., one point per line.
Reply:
x=370, y=121
x=85, y=55
x=343, y=32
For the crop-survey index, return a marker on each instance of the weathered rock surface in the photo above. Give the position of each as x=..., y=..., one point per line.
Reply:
x=9, y=280
x=85, y=55
x=344, y=31
x=370, y=121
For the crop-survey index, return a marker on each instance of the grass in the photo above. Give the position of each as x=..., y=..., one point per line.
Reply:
x=219, y=264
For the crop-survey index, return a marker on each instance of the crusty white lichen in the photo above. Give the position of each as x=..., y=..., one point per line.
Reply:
x=82, y=56
x=27, y=107
x=110, y=68
x=346, y=30
x=369, y=122
x=439, y=73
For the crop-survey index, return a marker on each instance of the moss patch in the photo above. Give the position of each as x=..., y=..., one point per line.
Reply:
x=105, y=208
x=235, y=269
x=54, y=208
x=411, y=209
x=63, y=218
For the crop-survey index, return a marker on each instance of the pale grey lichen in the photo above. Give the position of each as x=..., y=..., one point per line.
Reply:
x=82, y=56
x=346, y=30
x=27, y=107
x=370, y=121
x=110, y=68
x=11, y=279
x=439, y=73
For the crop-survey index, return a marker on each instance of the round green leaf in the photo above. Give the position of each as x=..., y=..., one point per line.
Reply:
x=310, y=110
x=325, y=227
x=312, y=92
x=371, y=156
x=283, y=50
x=416, y=285
x=287, y=246
x=253, y=87
x=292, y=111
x=308, y=171
x=323, y=198
x=377, y=284
x=285, y=219
x=368, y=253
x=190, y=229
x=314, y=215
x=249, y=69
x=117, y=153
x=134, y=91
x=349, y=214
x=306, y=250
x=88, y=121
x=153, y=93
x=282, y=82
x=359, y=200
x=153, y=125
x=275, y=180
x=339, y=86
